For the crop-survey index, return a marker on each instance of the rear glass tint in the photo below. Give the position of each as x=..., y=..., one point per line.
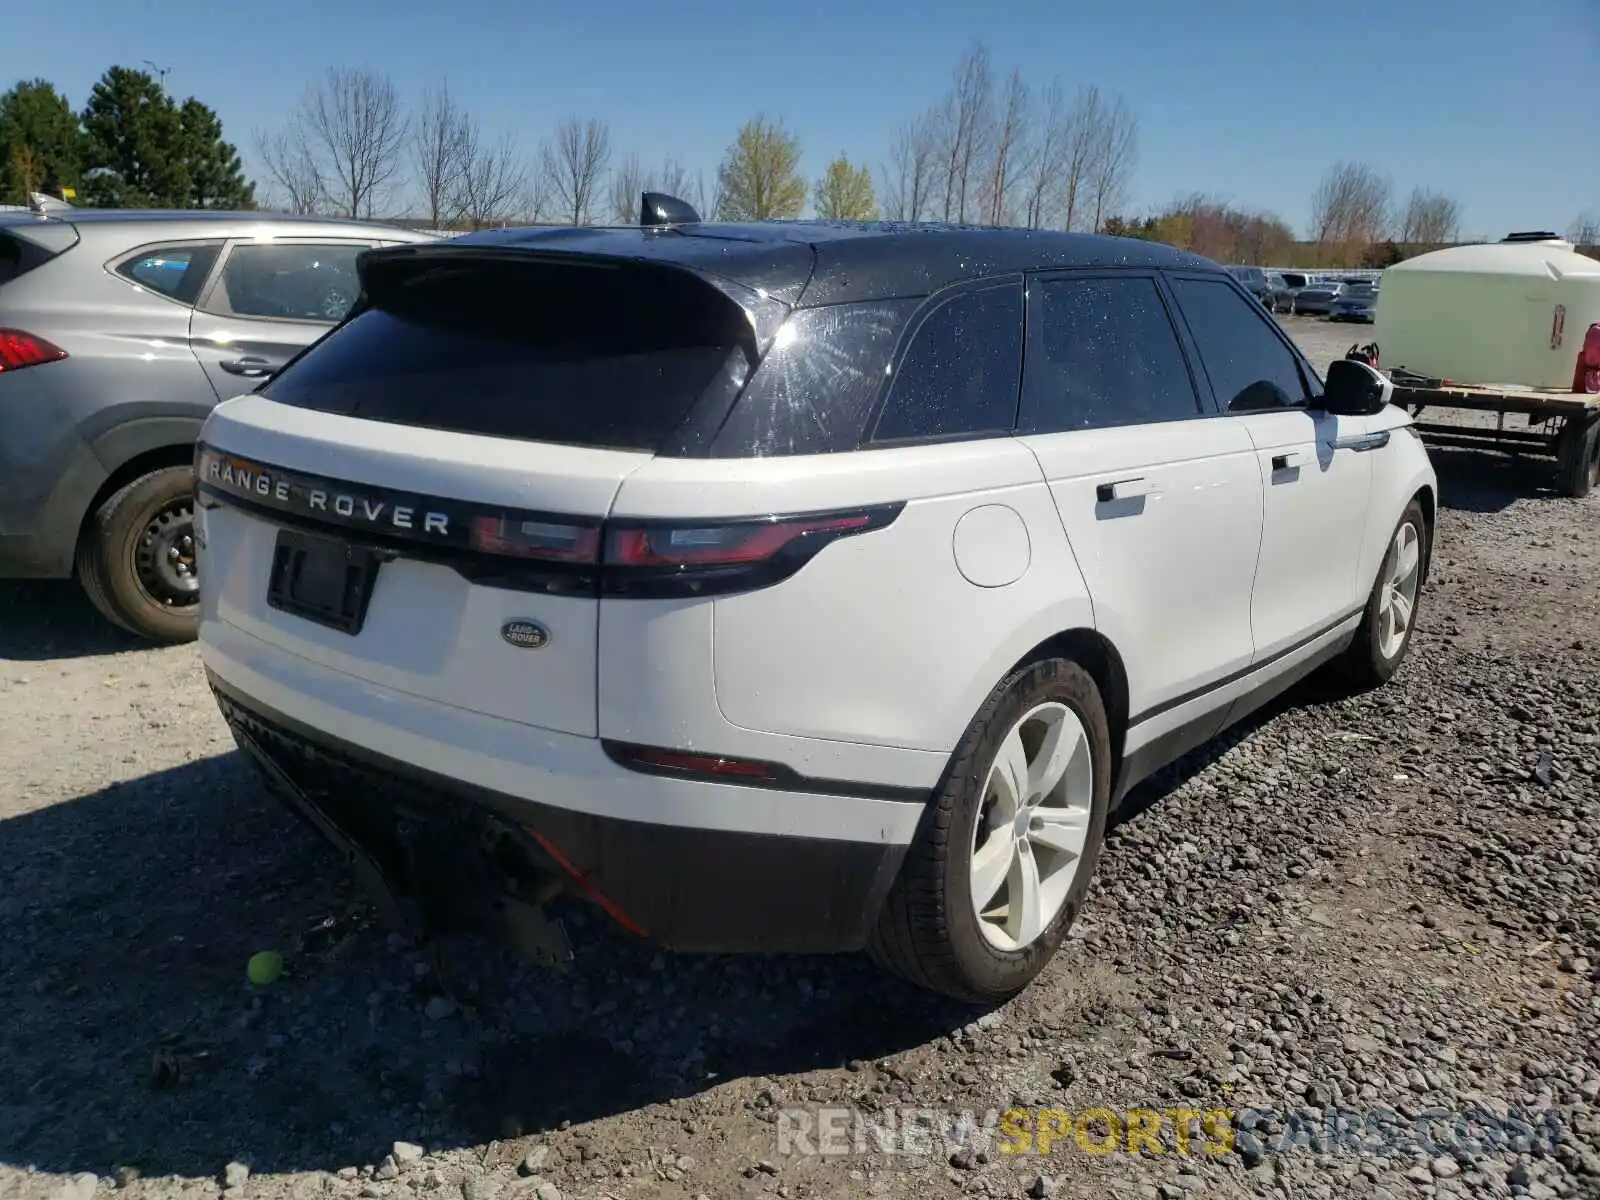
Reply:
x=18, y=256
x=585, y=356
x=961, y=373
x=10, y=258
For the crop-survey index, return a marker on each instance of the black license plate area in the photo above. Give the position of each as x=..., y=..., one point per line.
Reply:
x=323, y=579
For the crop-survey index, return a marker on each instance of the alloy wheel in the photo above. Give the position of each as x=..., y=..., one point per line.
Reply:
x=1398, y=603
x=1032, y=827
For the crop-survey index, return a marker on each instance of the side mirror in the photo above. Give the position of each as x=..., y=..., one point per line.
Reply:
x=1354, y=389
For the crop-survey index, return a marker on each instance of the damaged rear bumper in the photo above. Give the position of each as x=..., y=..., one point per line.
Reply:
x=443, y=855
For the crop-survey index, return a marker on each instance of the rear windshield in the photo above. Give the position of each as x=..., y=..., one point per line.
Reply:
x=582, y=355
x=18, y=256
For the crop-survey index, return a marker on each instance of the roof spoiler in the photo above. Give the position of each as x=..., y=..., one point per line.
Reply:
x=44, y=205
x=658, y=208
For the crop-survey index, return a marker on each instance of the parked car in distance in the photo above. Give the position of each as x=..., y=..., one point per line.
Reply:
x=1356, y=302
x=1254, y=280
x=1317, y=298
x=802, y=632
x=119, y=330
x=1286, y=285
x=1280, y=293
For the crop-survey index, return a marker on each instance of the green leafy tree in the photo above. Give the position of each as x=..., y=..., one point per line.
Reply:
x=41, y=142
x=135, y=143
x=759, y=177
x=216, y=176
x=844, y=193
x=146, y=151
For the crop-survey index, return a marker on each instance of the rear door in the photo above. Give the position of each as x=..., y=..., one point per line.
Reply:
x=267, y=301
x=472, y=426
x=1160, y=500
x=1313, y=465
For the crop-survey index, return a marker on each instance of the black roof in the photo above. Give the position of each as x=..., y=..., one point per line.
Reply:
x=832, y=262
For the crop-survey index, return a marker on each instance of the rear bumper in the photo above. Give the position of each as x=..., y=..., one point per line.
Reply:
x=693, y=865
x=48, y=479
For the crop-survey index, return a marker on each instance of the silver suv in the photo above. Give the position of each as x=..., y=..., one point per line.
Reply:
x=119, y=330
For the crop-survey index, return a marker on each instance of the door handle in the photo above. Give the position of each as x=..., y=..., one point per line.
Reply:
x=250, y=366
x=1122, y=489
x=1287, y=461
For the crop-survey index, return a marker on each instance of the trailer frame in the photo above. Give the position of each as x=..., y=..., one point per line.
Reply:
x=1560, y=425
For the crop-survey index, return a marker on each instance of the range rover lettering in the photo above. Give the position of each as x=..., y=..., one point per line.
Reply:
x=873, y=564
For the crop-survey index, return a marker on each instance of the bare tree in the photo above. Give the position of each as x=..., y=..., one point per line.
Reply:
x=534, y=204
x=1009, y=139
x=1429, y=219
x=967, y=120
x=628, y=184
x=293, y=168
x=440, y=143
x=672, y=178
x=708, y=195
x=908, y=178
x=1585, y=230
x=1082, y=139
x=574, y=161
x=1114, y=152
x=493, y=182
x=352, y=124
x=1348, y=209
x=1047, y=158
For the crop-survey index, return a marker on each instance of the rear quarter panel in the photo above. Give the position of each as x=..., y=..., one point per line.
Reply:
x=882, y=639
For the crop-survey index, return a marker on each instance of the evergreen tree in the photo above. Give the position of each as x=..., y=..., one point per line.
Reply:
x=216, y=176
x=147, y=152
x=135, y=143
x=41, y=143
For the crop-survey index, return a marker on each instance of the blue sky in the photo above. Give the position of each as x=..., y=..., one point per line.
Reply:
x=1492, y=101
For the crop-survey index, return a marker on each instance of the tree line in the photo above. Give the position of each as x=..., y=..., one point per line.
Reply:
x=1355, y=222
x=131, y=146
x=994, y=148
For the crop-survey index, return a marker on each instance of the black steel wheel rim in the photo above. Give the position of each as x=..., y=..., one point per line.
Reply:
x=164, y=559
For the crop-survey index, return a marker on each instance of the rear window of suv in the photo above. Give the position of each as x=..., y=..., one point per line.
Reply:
x=585, y=356
x=18, y=256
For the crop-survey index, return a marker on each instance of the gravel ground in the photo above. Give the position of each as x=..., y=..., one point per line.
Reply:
x=1379, y=903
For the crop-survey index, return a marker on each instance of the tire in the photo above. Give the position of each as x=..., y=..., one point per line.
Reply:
x=929, y=932
x=1578, y=457
x=119, y=556
x=1374, y=657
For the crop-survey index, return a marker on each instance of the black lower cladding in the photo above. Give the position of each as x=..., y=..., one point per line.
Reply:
x=451, y=848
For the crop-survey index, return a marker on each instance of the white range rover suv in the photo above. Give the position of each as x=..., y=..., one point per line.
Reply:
x=785, y=587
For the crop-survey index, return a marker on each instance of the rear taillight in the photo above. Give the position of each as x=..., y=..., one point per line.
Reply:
x=654, y=559
x=659, y=559
x=19, y=349
x=528, y=537
x=681, y=546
